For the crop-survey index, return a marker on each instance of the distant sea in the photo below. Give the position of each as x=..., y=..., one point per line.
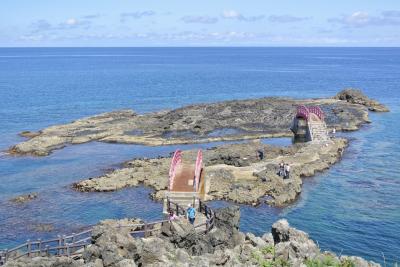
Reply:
x=353, y=208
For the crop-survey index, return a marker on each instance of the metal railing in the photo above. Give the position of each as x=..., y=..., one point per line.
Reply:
x=74, y=244
x=304, y=112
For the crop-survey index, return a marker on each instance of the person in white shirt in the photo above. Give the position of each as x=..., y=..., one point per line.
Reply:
x=287, y=171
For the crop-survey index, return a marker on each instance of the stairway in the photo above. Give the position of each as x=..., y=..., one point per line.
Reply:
x=183, y=199
x=318, y=131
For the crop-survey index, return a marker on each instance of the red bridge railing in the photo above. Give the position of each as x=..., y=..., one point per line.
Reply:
x=304, y=112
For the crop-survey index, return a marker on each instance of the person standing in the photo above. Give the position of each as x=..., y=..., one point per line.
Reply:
x=191, y=214
x=282, y=169
x=260, y=154
x=287, y=171
x=172, y=216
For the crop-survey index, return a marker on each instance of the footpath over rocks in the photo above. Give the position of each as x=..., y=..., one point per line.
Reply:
x=179, y=245
x=235, y=172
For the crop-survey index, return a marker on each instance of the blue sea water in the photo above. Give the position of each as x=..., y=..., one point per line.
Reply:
x=353, y=208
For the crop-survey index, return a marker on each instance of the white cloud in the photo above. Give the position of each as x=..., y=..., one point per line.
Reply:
x=286, y=18
x=91, y=16
x=42, y=25
x=233, y=14
x=358, y=18
x=232, y=37
x=199, y=19
x=363, y=19
x=136, y=15
x=71, y=21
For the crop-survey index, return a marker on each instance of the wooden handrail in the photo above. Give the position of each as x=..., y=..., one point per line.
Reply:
x=66, y=245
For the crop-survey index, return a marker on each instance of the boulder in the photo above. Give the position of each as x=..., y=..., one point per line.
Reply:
x=24, y=198
x=268, y=238
x=112, y=245
x=180, y=245
x=126, y=263
x=355, y=96
x=256, y=240
x=292, y=244
x=228, y=218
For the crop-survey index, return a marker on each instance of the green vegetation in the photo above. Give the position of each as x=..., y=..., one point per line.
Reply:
x=258, y=256
x=268, y=250
x=329, y=261
x=347, y=263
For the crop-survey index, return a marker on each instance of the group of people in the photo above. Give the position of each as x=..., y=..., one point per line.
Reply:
x=190, y=214
x=284, y=170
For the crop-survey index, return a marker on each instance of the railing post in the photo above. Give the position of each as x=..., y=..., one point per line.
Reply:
x=194, y=202
x=5, y=256
x=40, y=246
x=177, y=209
x=59, y=245
x=63, y=244
x=29, y=247
x=47, y=251
x=73, y=241
x=145, y=229
x=68, y=250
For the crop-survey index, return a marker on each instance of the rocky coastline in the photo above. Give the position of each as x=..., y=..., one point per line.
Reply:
x=178, y=244
x=223, y=121
x=235, y=171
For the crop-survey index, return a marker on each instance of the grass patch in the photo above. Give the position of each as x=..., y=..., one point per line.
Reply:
x=329, y=261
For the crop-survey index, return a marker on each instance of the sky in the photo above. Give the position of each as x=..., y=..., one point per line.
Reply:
x=27, y=23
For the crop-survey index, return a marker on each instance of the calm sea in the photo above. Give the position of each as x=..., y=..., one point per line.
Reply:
x=354, y=208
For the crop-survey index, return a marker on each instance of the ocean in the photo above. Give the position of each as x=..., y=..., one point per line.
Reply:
x=352, y=208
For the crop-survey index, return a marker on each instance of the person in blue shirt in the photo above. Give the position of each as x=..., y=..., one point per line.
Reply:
x=191, y=214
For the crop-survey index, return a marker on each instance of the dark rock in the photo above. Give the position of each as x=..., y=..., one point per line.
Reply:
x=24, y=198
x=292, y=244
x=180, y=245
x=356, y=96
x=29, y=134
x=228, y=218
x=43, y=227
x=231, y=120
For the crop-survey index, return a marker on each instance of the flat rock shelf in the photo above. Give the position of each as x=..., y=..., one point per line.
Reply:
x=223, y=121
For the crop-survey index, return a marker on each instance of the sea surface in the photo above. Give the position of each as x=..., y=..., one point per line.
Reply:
x=353, y=208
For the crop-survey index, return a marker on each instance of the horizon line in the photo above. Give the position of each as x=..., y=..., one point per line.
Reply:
x=194, y=46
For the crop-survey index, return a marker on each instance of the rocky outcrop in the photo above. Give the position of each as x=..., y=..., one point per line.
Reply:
x=179, y=245
x=235, y=171
x=43, y=227
x=295, y=246
x=356, y=96
x=24, y=198
x=225, y=235
x=229, y=120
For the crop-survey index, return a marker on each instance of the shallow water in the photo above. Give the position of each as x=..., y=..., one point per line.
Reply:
x=353, y=208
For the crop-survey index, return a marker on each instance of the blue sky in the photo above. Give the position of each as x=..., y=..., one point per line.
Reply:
x=199, y=23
